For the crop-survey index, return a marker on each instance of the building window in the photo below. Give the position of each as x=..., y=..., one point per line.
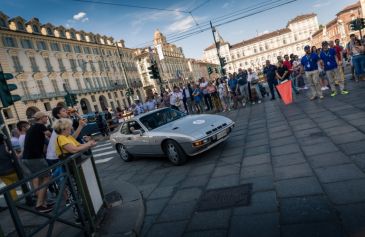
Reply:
x=106, y=65
x=48, y=64
x=121, y=93
x=41, y=45
x=18, y=67
x=26, y=44
x=78, y=83
x=92, y=66
x=2, y=23
x=20, y=26
x=255, y=50
x=82, y=64
x=96, y=51
x=55, y=47
x=9, y=42
x=66, y=48
x=55, y=86
x=7, y=113
x=24, y=86
x=88, y=83
x=62, y=34
x=82, y=37
x=101, y=66
x=35, y=29
x=34, y=65
x=77, y=49
x=49, y=31
x=109, y=96
x=61, y=65
x=284, y=41
x=115, y=94
x=67, y=84
x=87, y=50
x=42, y=91
x=72, y=34
x=73, y=65
x=93, y=98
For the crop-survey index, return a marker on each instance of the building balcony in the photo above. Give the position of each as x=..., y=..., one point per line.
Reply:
x=42, y=96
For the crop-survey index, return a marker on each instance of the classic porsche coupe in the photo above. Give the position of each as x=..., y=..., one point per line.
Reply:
x=171, y=133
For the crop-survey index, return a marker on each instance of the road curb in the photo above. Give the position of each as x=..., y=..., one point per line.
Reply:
x=125, y=218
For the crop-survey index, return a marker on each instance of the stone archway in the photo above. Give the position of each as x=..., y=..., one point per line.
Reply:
x=31, y=111
x=85, y=106
x=103, y=102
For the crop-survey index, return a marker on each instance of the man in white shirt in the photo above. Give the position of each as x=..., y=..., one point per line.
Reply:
x=150, y=104
x=253, y=81
x=176, y=98
x=23, y=127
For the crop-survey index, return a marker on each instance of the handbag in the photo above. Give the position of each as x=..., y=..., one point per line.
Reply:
x=63, y=156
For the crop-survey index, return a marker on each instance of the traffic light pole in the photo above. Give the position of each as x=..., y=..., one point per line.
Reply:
x=18, y=170
x=216, y=45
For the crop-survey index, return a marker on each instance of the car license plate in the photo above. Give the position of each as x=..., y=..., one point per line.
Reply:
x=221, y=134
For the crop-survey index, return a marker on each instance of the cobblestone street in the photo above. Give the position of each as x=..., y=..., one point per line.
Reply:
x=306, y=163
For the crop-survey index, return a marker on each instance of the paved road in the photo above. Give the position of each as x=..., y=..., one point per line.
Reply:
x=306, y=162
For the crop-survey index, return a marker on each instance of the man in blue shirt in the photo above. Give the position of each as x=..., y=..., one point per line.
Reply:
x=232, y=83
x=310, y=65
x=330, y=65
x=269, y=72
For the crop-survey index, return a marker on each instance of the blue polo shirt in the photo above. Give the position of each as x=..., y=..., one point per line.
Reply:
x=329, y=59
x=269, y=72
x=232, y=83
x=310, y=62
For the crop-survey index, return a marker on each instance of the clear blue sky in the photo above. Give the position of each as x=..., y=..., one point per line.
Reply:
x=136, y=26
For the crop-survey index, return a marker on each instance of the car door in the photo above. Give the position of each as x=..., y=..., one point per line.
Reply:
x=138, y=143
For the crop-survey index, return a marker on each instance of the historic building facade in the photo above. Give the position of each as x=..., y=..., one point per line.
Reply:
x=339, y=27
x=47, y=60
x=254, y=52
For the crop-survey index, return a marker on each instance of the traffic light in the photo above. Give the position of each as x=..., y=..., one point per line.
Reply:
x=223, y=71
x=153, y=71
x=223, y=61
x=6, y=97
x=74, y=99
x=210, y=71
x=129, y=92
x=357, y=24
x=68, y=100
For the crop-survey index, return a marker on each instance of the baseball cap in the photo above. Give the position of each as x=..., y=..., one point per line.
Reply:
x=40, y=115
x=324, y=43
x=307, y=47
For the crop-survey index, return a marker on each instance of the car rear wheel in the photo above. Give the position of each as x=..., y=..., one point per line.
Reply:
x=123, y=153
x=174, y=152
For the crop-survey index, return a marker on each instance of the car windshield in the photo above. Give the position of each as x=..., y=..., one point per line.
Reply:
x=160, y=118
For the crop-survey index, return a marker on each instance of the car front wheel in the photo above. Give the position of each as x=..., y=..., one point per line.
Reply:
x=123, y=153
x=174, y=152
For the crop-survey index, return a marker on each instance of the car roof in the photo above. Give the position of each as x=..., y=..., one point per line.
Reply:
x=150, y=112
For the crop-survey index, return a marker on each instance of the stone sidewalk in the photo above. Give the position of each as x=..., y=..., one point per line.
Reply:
x=306, y=163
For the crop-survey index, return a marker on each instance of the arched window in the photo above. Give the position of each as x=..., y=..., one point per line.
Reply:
x=35, y=29
x=73, y=36
x=20, y=26
x=2, y=22
x=49, y=31
x=62, y=34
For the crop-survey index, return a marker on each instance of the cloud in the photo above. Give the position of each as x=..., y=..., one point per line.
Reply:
x=81, y=16
x=321, y=4
x=180, y=25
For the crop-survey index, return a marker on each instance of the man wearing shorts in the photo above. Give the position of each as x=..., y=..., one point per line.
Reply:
x=34, y=158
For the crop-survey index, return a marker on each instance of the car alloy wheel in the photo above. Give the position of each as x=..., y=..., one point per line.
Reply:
x=175, y=153
x=123, y=153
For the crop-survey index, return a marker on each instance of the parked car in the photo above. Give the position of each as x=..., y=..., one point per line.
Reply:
x=171, y=133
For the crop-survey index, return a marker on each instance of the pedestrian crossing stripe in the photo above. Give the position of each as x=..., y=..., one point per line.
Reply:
x=104, y=153
x=103, y=160
x=101, y=149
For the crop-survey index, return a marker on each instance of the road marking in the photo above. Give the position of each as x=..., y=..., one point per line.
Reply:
x=102, y=149
x=103, y=160
x=105, y=153
x=102, y=145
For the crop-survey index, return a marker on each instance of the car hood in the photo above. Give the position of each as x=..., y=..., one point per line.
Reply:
x=195, y=126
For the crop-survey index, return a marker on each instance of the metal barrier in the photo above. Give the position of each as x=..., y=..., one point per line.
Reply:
x=73, y=179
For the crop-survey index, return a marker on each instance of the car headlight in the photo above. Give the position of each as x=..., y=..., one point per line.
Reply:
x=200, y=142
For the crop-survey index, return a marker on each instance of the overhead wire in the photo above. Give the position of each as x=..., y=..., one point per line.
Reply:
x=131, y=6
x=171, y=36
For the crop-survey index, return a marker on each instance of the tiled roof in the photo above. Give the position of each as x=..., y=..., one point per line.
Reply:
x=261, y=38
x=349, y=7
x=334, y=21
x=301, y=18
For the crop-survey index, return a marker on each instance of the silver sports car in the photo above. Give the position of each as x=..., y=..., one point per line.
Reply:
x=170, y=132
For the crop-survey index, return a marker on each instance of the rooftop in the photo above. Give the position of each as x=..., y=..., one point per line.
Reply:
x=349, y=8
x=301, y=18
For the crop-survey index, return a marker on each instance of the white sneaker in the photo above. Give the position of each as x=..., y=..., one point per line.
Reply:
x=259, y=101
